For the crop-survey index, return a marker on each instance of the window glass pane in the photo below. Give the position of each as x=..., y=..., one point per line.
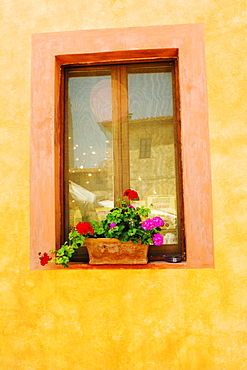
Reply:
x=151, y=144
x=144, y=94
x=88, y=146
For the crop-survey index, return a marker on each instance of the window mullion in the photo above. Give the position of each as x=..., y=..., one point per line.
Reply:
x=125, y=129
x=120, y=130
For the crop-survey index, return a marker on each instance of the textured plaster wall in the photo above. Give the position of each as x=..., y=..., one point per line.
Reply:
x=126, y=319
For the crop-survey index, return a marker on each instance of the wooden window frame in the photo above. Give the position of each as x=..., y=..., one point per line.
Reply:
x=119, y=72
x=52, y=51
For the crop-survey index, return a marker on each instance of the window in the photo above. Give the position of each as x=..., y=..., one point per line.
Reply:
x=133, y=56
x=145, y=148
x=102, y=136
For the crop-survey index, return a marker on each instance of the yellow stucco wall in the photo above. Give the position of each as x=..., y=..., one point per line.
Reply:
x=126, y=319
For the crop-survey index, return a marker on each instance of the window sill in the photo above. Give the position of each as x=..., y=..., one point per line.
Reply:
x=148, y=266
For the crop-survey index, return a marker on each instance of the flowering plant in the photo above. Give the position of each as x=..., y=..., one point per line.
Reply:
x=125, y=223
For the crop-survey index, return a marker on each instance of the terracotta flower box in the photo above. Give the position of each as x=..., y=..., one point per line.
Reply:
x=110, y=251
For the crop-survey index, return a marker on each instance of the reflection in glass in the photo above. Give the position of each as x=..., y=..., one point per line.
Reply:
x=88, y=164
x=144, y=94
x=151, y=144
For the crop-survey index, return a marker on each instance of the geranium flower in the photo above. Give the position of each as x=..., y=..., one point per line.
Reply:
x=112, y=225
x=127, y=192
x=131, y=194
x=157, y=239
x=44, y=258
x=84, y=228
x=148, y=224
x=157, y=221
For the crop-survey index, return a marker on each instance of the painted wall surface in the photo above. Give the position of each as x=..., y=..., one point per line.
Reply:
x=126, y=319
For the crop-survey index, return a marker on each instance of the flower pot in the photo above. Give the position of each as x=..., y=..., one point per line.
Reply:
x=107, y=251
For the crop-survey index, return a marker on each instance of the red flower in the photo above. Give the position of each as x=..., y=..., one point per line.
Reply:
x=44, y=258
x=84, y=228
x=131, y=194
x=127, y=192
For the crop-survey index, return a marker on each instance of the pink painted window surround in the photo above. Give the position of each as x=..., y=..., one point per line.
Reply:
x=51, y=51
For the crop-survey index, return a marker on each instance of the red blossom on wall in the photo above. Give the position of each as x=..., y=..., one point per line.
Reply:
x=44, y=258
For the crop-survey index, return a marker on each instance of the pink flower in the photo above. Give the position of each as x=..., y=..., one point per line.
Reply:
x=130, y=206
x=158, y=222
x=157, y=239
x=148, y=224
x=112, y=225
